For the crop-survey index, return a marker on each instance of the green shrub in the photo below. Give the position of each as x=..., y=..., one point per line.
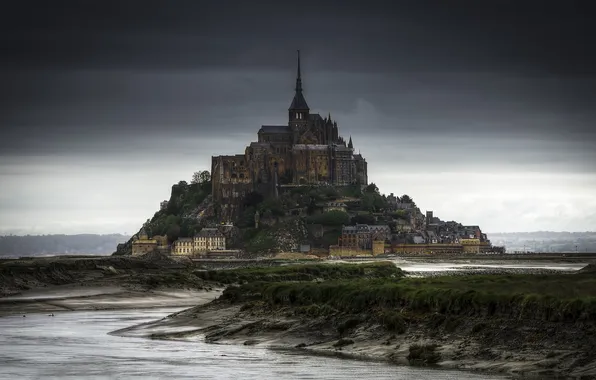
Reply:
x=452, y=323
x=348, y=324
x=394, y=322
x=423, y=354
x=436, y=320
x=330, y=218
x=479, y=327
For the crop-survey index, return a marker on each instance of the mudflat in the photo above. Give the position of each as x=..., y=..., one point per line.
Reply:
x=99, y=283
x=530, y=326
x=97, y=297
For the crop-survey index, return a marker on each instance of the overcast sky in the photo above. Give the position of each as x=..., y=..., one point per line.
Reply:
x=483, y=113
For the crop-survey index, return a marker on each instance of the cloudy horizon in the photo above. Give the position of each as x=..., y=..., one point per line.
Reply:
x=482, y=113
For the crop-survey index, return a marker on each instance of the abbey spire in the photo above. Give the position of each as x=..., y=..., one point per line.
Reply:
x=299, y=103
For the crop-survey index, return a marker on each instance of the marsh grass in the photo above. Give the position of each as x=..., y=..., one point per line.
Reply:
x=560, y=297
x=423, y=354
x=302, y=272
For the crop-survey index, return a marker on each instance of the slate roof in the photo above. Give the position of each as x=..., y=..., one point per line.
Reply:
x=418, y=240
x=274, y=129
x=299, y=103
x=380, y=227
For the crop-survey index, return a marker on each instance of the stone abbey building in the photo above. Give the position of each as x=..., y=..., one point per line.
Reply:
x=308, y=150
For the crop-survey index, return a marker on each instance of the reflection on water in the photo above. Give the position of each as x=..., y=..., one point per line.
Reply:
x=439, y=267
x=76, y=345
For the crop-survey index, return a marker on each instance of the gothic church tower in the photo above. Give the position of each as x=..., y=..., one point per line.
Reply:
x=298, y=111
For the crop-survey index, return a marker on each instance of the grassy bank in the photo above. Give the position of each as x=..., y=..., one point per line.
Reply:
x=305, y=272
x=20, y=275
x=557, y=298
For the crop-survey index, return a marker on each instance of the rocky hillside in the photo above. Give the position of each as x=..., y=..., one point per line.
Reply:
x=269, y=225
x=189, y=209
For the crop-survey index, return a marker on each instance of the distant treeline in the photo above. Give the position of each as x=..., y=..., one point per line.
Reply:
x=40, y=245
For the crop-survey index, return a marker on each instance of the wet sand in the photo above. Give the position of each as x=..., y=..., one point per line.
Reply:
x=74, y=297
x=223, y=323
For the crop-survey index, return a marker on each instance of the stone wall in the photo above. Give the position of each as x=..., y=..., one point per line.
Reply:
x=335, y=250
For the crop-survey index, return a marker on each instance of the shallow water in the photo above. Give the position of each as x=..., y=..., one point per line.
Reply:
x=438, y=267
x=74, y=345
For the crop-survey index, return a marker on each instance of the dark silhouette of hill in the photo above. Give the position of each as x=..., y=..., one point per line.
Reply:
x=46, y=245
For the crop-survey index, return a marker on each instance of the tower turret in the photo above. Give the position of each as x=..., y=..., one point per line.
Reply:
x=298, y=111
x=350, y=145
x=335, y=132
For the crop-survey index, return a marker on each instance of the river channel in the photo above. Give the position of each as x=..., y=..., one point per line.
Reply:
x=76, y=345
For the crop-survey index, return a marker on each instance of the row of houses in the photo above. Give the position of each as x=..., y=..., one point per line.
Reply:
x=363, y=239
x=205, y=242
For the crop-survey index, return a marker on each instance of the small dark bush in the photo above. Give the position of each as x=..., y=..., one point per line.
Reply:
x=393, y=321
x=348, y=324
x=479, y=327
x=423, y=354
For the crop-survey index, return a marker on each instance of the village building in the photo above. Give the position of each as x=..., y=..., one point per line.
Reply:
x=207, y=240
x=142, y=244
x=183, y=246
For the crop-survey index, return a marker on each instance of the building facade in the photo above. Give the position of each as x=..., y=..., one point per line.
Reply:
x=142, y=243
x=308, y=150
x=363, y=236
x=207, y=240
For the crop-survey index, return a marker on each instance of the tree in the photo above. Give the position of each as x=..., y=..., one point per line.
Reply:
x=380, y=202
x=273, y=206
x=368, y=202
x=173, y=233
x=330, y=218
x=400, y=214
x=364, y=219
x=406, y=199
x=372, y=188
x=201, y=177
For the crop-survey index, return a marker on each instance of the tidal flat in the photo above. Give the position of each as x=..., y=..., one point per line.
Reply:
x=522, y=325
x=539, y=325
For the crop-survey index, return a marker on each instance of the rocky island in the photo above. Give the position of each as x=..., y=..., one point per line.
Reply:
x=301, y=187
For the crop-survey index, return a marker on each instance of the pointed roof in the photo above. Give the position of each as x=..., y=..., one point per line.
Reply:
x=350, y=145
x=299, y=103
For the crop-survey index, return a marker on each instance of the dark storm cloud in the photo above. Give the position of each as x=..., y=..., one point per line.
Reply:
x=84, y=77
x=530, y=36
x=494, y=100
